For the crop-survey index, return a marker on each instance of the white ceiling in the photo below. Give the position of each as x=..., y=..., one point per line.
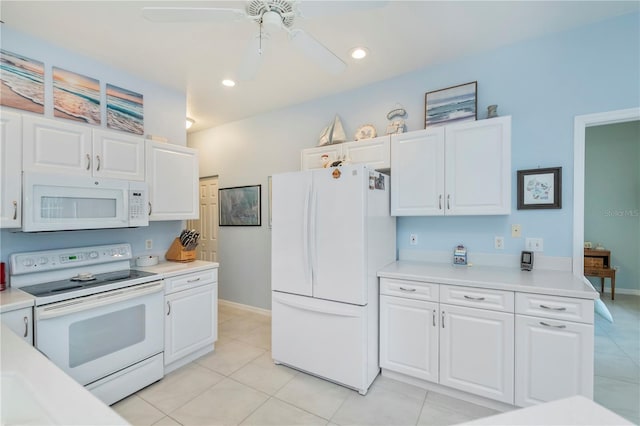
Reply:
x=401, y=36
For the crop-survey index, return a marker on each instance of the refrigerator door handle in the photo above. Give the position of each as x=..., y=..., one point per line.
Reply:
x=306, y=234
x=312, y=238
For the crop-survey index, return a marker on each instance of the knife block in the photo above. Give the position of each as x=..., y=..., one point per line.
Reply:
x=178, y=253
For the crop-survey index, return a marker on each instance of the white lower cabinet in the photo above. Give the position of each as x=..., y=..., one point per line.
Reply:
x=20, y=322
x=191, y=316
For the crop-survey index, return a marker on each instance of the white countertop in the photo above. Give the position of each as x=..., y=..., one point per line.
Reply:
x=35, y=391
x=169, y=269
x=12, y=299
x=576, y=410
x=539, y=281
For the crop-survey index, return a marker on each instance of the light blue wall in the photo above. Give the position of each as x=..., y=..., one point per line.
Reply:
x=543, y=84
x=164, y=112
x=612, y=198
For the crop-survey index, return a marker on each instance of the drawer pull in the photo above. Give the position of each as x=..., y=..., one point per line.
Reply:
x=479, y=299
x=194, y=280
x=407, y=289
x=553, y=309
x=552, y=326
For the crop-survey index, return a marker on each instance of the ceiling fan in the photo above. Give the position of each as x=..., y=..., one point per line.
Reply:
x=271, y=16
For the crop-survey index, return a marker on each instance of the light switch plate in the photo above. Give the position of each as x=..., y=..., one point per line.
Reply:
x=516, y=231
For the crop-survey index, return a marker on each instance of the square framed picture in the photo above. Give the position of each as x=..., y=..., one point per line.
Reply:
x=540, y=188
x=451, y=105
x=240, y=206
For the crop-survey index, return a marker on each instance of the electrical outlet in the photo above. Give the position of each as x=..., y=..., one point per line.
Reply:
x=516, y=231
x=413, y=239
x=148, y=244
x=498, y=243
x=534, y=244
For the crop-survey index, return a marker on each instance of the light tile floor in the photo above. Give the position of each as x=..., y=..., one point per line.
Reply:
x=239, y=384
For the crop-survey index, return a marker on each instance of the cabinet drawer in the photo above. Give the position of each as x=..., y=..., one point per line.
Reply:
x=556, y=307
x=195, y=279
x=409, y=289
x=593, y=262
x=495, y=300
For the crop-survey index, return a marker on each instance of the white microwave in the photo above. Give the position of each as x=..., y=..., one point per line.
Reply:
x=55, y=202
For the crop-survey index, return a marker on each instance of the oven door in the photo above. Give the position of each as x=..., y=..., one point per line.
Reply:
x=91, y=337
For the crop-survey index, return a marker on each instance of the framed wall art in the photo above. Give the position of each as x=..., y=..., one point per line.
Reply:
x=76, y=97
x=540, y=188
x=240, y=206
x=124, y=110
x=22, y=81
x=451, y=105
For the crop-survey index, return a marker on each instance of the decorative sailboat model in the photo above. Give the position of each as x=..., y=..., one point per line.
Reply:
x=333, y=133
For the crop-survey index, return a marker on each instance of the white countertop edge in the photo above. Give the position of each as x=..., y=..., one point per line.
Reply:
x=13, y=299
x=63, y=400
x=168, y=269
x=491, y=277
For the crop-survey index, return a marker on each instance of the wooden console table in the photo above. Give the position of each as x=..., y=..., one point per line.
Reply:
x=597, y=263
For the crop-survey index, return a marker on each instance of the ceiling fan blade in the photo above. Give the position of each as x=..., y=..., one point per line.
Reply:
x=316, y=51
x=191, y=14
x=253, y=57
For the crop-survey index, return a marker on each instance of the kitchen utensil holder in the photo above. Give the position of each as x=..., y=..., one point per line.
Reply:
x=178, y=253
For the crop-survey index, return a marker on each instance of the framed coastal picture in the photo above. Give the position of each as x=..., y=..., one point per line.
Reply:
x=240, y=206
x=76, y=97
x=124, y=110
x=22, y=81
x=451, y=105
x=540, y=188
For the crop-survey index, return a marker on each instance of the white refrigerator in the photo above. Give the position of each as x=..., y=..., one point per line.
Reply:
x=331, y=232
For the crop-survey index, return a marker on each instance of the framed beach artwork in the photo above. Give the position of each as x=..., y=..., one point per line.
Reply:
x=22, y=81
x=76, y=97
x=540, y=188
x=451, y=105
x=240, y=206
x=124, y=110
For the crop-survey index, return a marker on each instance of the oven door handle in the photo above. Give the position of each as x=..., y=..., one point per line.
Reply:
x=96, y=300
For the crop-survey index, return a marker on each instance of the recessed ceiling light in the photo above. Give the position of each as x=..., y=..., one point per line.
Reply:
x=229, y=83
x=359, y=52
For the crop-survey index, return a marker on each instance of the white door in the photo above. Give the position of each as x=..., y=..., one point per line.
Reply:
x=118, y=156
x=290, y=250
x=375, y=152
x=409, y=337
x=478, y=167
x=417, y=183
x=55, y=146
x=554, y=360
x=338, y=240
x=207, y=224
x=476, y=351
x=20, y=322
x=10, y=169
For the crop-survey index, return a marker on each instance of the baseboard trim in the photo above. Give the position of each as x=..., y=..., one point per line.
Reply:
x=248, y=308
x=631, y=291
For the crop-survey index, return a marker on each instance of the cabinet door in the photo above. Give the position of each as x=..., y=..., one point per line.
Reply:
x=375, y=153
x=20, y=322
x=118, y=156
x=417, y=162
x=10, y=169
x=478, y=167
x=476, y=351
x=409, y=337
x=191, y=321
x=554, y=360
x=311, y=158
x=172, y=175
x=55, y=146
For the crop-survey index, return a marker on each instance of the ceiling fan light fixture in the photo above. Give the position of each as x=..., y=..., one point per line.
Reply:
x=272, y=20
x=359, y=53
x=190, y=122
x=227, y=82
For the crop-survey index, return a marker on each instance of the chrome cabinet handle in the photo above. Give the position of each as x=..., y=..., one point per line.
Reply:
x=552, y=326
x=479, y=299
x=15, y=210
x=88, y=162
x=26, y=327
x=442, y=319
x=440, y=202
x=406, y=289
x=553, y=309
x=434, y=317
x=98, y=160
x=168, y=308
x=150, y=208
x=448, y=201
x=194, y=280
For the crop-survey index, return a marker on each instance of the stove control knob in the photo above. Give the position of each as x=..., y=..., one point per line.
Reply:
x=27, y=262
x=93, y=255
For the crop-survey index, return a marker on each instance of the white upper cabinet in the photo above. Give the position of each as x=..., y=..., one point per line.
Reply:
x=10, y=169
x=172, y=175
x=462, y=169
x=375, y=153
x=118, y=156
x=59, y=147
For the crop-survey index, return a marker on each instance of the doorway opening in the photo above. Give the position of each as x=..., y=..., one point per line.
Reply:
x=207, y=224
